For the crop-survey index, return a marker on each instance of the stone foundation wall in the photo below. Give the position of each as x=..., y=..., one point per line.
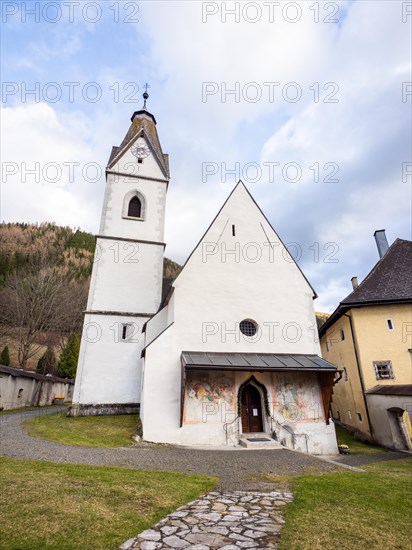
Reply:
x=94, y=409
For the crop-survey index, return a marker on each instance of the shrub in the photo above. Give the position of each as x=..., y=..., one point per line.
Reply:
x=47, y=362
x=67, y=364
x=5, y=357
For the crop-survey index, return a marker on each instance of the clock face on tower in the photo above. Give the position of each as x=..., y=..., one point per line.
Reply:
x=140, y=151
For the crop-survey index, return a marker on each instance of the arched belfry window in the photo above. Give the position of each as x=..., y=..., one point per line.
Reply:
x=135, y=208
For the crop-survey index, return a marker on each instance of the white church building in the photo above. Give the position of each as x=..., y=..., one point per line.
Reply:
x=228, y=351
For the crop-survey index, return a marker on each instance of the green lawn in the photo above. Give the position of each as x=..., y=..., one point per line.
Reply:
x=47, y=506
x=356, y=447
x=53, y=506
x=89, y=431
x=351, y=510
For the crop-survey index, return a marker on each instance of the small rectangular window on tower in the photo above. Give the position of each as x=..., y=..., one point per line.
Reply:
x=140, y=161
x=125, y=332
x=389, y=323
x=342, y=334
x=233, y=231
x=359, y=416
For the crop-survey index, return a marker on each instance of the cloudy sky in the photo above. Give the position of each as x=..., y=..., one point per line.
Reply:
x=308, y=103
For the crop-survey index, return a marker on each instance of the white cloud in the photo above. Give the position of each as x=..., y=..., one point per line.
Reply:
x=38, y=182
x=366, y=133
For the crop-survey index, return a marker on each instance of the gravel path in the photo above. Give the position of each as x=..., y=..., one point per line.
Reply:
x=362, y=460
x=235, y=467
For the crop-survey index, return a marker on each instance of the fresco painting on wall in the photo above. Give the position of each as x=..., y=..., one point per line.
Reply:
x=297, y=397
x=210, y=396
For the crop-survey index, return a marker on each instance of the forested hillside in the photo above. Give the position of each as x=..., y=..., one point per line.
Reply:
x=44, y=278
x=321, y=318
x=23, y=246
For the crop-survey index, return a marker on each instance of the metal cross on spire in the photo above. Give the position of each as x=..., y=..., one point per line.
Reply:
x=145, y=95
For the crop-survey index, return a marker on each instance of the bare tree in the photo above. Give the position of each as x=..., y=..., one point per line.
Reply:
x=70, y=319
x=37, y=303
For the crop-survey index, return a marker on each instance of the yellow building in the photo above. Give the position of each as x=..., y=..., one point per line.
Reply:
x=369, y=338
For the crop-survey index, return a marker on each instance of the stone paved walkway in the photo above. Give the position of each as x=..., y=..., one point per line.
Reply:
x=230, y=521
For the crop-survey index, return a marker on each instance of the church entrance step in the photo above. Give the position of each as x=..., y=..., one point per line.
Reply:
x=258, y=441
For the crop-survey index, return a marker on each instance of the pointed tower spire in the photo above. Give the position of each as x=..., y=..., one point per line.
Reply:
x=143, y=125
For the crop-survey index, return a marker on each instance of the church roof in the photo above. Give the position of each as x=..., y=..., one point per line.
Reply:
x=389, y=282
x=143, y=123
x=166, y=288
x=254, y=361
x=113, y=154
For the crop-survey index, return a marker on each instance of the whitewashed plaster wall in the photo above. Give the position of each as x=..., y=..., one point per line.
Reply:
x=127, y=277
x=109, y=369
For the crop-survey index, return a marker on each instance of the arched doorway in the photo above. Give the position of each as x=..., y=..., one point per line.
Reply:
x=251, y=409
x=400, y=436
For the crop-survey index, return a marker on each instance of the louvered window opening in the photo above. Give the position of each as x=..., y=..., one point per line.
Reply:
x=135, y=208
x=248, y=328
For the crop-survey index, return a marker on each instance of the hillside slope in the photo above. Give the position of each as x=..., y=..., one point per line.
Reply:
x=24, y=245
x=45, y=272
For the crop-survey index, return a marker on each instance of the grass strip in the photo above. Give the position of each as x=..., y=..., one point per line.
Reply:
x=89, y=431
x=49, y=506
x=356, y=447
x=351, y=510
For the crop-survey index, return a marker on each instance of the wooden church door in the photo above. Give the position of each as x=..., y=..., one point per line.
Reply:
x=251, y=410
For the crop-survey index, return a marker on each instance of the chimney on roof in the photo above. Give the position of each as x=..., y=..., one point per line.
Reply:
x=355, y=283
x=381, y=241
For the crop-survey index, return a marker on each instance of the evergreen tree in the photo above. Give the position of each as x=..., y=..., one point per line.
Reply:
x=47, y=362
x=5, y=357
x=67, y=364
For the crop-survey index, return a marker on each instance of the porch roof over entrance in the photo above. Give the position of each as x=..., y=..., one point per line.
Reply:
x=254, y=361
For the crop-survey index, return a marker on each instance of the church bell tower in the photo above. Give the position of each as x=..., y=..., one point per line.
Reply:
x=126, y=283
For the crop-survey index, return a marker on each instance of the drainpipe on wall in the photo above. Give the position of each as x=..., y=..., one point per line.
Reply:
x=355, y=347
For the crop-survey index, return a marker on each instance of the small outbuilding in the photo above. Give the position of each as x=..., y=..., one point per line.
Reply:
x=390, y=411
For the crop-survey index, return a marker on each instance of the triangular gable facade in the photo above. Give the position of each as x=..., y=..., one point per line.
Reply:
x=241, y=231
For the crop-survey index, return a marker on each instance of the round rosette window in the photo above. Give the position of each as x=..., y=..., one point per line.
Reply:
x=248, y=327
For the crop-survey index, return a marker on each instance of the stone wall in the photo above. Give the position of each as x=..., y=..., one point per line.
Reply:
x=390, y=420
x=20, y=388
